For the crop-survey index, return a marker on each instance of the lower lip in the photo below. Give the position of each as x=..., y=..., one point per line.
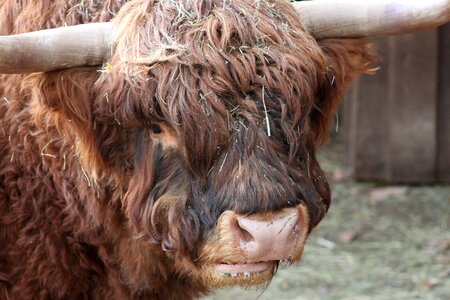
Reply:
x=244, y=269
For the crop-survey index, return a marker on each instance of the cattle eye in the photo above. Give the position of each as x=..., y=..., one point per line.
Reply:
x=156, y=128
x=164, y=134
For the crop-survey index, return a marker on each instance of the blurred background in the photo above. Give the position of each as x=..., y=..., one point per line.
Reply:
x=387, y=234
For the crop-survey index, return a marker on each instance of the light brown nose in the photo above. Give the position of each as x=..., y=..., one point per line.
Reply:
x=270, y=236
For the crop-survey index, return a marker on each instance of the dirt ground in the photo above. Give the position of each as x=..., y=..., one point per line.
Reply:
x=377, y=242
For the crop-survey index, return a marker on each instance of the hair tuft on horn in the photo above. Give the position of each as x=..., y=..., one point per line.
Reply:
x=90, y=44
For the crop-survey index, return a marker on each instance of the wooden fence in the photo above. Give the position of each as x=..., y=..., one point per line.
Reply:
x=397, y=122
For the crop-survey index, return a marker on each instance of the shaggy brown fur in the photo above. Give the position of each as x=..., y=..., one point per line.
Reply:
x=112, y=180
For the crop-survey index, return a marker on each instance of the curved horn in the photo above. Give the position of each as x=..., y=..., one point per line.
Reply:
x=59, y=48
x=90, y=44
x=350, y=18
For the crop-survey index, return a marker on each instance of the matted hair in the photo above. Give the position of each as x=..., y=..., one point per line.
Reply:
x=218, y=73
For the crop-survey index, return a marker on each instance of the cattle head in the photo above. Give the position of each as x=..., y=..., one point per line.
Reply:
x=204, y=122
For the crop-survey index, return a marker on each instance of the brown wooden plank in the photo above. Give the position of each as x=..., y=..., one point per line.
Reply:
x=371, y=121
x=443, y=134
x=349, y=122
x=413, y=100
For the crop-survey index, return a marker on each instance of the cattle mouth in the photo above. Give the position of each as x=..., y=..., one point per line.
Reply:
x=243, y=274
x=244, y=270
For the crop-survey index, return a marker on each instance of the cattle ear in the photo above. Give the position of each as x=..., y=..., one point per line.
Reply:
x=345, y=59
x=67, y=93
x=65, y=99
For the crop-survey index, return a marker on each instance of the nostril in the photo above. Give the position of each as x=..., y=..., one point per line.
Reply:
x=246, y=236
x=242, y=233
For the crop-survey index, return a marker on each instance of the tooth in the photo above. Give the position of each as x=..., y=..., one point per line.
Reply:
x=234, y=274
x=246, y=274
